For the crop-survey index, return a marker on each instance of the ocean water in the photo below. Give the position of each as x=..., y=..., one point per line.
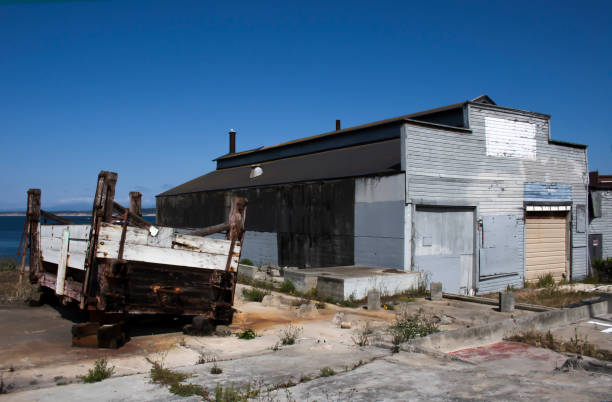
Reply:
x=11, y=228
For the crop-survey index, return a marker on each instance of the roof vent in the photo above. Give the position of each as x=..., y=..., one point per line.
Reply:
x=256, y=170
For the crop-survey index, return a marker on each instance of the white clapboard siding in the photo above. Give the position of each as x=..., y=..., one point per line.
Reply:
x=167, y=247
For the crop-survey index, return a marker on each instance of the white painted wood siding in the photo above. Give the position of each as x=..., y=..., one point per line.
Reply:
x=452, y=168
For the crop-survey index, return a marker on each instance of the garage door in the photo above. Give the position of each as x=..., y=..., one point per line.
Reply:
x=545, y=246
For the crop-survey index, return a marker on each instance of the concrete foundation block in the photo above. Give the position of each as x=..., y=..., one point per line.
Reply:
x=435, y=290
x=506, y=302
x=303, y=280
x=373, y=300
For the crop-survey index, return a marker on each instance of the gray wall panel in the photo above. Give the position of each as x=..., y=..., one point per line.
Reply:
x=603, y=224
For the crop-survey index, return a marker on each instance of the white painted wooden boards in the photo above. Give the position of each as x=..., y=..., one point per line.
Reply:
x=167, y=247
x=51, y=244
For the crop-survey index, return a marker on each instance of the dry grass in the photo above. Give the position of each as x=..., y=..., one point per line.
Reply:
x=10, y=290
x=550, y=296
x=575, y=345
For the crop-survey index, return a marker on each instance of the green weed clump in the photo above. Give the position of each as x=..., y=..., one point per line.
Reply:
x=99, y=372
x=409, y=326
x=327, y=372
x=546, y=281
x=254, y=294
x=172, y=379
x=246, y=261
x=287, y=287
x=247, y=334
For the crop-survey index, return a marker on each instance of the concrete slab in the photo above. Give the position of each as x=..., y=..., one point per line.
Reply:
x=347, y=282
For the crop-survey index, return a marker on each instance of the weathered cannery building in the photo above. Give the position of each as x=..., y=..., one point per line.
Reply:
x=477, y=195
x=600, y=216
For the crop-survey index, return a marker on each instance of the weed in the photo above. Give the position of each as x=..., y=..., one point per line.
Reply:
x=206, y=358
x=287, y=287
x=320, y=305
x=254, y=294
x=388, y=306
x=99, y=372
x=575, y=345
x=327, y=372
x=363, y=334
x=216, y=369
x=305, y=378
x=246, y=261
x=545, y=281
x=409, y=326
x=8, y=264
x=247, y=334
x=231, y=393
x=290, y=334
x=188, y=389
x=165, y=376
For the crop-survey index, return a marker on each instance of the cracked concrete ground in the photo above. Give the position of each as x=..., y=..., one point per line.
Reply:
x=39, y=351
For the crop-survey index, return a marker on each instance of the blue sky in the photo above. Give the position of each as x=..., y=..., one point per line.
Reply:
x=149, y=89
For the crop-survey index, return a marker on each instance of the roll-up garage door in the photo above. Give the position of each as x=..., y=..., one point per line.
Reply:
x=545, y=246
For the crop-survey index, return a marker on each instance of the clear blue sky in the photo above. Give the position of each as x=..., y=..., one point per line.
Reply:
x=149, y=89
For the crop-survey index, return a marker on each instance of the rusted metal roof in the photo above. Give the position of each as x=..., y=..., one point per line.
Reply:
x=382, y=157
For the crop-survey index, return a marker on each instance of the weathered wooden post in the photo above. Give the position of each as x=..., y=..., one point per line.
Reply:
x=136, y=203
x=102, y=211
x=34, y=237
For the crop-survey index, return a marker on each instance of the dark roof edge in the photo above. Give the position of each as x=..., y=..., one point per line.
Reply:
x=284, y=183
x=567, y=144
x=438, y=126
x=349, y=129
x=509, y=109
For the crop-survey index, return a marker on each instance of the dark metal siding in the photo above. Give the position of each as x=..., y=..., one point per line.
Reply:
x=314, y=221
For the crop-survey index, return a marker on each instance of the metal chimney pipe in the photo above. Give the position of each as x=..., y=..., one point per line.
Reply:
x=337, y=125
x=232, y=142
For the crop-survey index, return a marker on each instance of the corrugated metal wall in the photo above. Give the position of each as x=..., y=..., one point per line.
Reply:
x=603, y=224
x=456, y=168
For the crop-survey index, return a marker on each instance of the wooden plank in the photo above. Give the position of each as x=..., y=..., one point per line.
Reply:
x=76, y=259
x=166, y=238
x=158, y=255
x=77, y=232
x=202, y=244
x=71, y=288
x=61, y=266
